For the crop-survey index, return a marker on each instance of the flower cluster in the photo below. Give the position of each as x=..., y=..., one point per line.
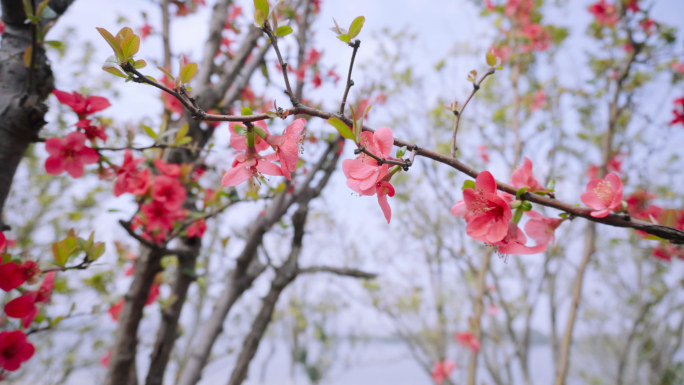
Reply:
x=489, y=216
x=365, y=175
x=71, y=153
x=14, y=347
x=250, y=164
x=604, y=13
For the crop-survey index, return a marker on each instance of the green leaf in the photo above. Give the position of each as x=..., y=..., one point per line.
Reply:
x=130, y=46
x=149, y=131
x=112, y=41
x=246, y=111
x=115, y=71
x=139, y=64
x=342, y=128
x=260, y=12
x=356, y=26
x=401, y=151
x=188, y=72
x=182, y=132
x=551, y=185
x=63, y=249
x=98, y=250
x=344, y=38
x=283, y=30
x=491, y=59
x=468, y=184
x=28, y=7
x=167, y=73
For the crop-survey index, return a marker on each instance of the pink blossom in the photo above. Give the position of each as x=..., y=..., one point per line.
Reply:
x=115, y=310
x=539, y=100
x=484, y=153
x=287, y=146
x=172, y=170
x=69, y=154
x=442, y=370
x=523, y=177
x=492, y=310
x=246, y=166
x=487, y=213
x=603, y=195
x=468, y=340
x=515, y=243
x=540, y=228
x=363, y=173
x=127, y=174
x=91, y=131
x=679, y=67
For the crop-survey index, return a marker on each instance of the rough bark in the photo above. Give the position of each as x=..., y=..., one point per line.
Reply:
x=22, y=91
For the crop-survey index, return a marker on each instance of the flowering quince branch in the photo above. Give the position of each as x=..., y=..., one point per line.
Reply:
x=665, y=232
x=266, y=28
x=458, y=113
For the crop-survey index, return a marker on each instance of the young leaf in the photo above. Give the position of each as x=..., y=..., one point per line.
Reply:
x=149, y=131
x=167, y=73
x=139, y=64
x=260, y=12
x=356, y=26
x=130, y=46
x=114, y=71
x=468, y=184
x=344, y=38
x=188, y=72
x=112, y=41
x=342, y=128
x=283, y=30
x=491, y=59
x=63, y=249
x=246, y=111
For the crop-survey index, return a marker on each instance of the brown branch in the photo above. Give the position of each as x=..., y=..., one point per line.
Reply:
x=477, y=315
x=302, y=29
x=343, y=271
x=274, y=42
x=350, y=82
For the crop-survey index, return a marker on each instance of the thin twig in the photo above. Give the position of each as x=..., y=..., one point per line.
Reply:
x=350, y=82
x=459, y=113
x=274, y=42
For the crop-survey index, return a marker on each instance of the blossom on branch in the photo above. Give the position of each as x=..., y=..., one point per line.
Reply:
x=287, y=146
x=442, y=370
x=69, y=154
x=365, y=175
x=468, y=340
x=678, y=112
x=24, y=307
x=523, y=177
x=604, y=13
x=14, y=349
x=486, y=212
x=603, y=195
x=81, y=105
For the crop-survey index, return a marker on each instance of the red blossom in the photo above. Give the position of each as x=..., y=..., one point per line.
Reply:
x=603, y=195
x=3, y=241
x=442, y=370
x=647, y=24
x=153, y=295
x=82, y=106
x=69, y=154
x=678, y=111
x=14, y=349
x=24, y=307
x=2, y=27
x=91, y=131
x=145, y=31
x=633, y=5
x=11, y=276
x=172, y=170
x=197, y=229
x=115, y=310
x=605, y=14
x=169, y=191
x=129, y=179
x=468, y=340
x=160, y=218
